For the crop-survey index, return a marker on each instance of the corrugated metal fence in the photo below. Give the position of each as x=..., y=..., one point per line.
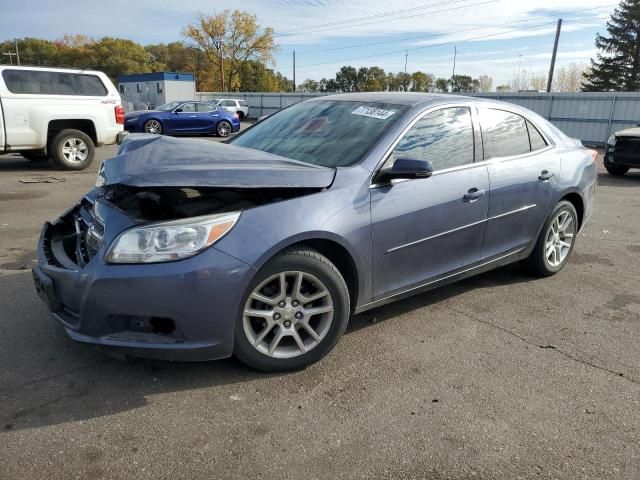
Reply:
x=591, y=117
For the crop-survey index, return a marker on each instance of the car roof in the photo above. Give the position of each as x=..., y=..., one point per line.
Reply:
x=399, y=98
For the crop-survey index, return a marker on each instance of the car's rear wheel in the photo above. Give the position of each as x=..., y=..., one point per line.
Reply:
x=293, y=313
x=153, y=126
x=223, y=129
x=240, y=114
x=616, y=170
x=72, y=150
x=556, y=241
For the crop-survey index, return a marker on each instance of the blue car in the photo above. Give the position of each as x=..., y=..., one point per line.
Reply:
x=265, y=246
x=183, y=118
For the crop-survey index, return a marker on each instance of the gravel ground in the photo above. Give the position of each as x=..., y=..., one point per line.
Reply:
x=497, y=377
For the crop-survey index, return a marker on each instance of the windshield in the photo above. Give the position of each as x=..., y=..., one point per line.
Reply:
x=168, y=106
x=331, y=133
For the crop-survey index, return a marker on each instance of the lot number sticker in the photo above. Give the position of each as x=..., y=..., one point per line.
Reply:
x=373, y=112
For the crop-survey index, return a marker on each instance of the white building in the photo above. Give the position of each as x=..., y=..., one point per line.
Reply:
x=145, y=91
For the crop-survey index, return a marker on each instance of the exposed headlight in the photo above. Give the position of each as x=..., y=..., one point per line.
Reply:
x=167, y=241
x=612, y=141
x=101, y=179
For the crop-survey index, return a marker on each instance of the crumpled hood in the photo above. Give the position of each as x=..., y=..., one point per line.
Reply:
x=159, y=161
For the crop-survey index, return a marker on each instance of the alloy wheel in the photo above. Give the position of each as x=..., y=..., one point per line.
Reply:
x=152, y=126
x=75, y=150
x=559, y=238
x=224, y=129
x=288, y=314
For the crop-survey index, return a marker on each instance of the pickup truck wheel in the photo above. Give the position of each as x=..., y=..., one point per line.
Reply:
x=35, y=156
x=72, y=150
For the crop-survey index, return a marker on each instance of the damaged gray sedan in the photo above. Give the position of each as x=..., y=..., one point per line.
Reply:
x=263, y=247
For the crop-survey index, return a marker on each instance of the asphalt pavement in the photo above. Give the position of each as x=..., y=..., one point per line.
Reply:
x=500, y=376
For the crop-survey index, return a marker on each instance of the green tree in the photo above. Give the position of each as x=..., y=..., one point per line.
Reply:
x=347, y=79
x=421, y=82
x=308, y=85
x=229, y=40
x=463, y=83
x=617, y=65
x=442, y=85
x=115, y=56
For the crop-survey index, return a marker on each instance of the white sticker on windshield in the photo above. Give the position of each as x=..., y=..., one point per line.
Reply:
x=373, y=112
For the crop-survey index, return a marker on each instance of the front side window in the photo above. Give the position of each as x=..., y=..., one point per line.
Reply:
x=444, y=137
x=332, y=133
x=188, y=107
x=504, y=134
x=167, y=107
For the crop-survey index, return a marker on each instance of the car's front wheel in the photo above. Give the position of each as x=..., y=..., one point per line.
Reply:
x=293, y=313
x=223, y=129
x=556, y=241
x=616, y=170
x=153, y=127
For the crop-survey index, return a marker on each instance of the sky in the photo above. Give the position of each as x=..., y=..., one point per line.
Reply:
x=498, y=38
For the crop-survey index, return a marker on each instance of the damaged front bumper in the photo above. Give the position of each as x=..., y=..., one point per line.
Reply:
x=181, y=310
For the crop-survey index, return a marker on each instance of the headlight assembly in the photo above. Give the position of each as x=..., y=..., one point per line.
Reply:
x=167, y=241
x=612, y=141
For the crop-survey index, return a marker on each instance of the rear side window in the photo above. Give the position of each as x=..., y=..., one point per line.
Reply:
x=444, y=137
x=205, y=107
x=52, y=83
x=242, y=103
x=504, y=134
x=536, y=139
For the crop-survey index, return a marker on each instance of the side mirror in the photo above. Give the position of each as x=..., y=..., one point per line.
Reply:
x=177, y=110
x=405, y=168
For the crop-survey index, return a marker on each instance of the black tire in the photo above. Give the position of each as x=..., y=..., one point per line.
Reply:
x=223, y=129
x=537, y=263
x=616, y=170
x=296, y=260
x=85, y=145
x=240, y=115
x=35, y=156
x=157, y=127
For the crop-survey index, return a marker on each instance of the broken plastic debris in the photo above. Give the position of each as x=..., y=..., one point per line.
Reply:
x=42, y=180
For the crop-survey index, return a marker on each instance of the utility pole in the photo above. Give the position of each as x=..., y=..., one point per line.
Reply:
x=404, y=80
x=455, y=54
x=519, y=65
x=10, y=55
x=218, y=46
x=294, y=70
x=553, y=56
x=15, y=41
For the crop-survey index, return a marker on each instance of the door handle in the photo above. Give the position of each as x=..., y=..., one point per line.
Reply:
x=545, y=175
x=473, y=194
x=192, y=116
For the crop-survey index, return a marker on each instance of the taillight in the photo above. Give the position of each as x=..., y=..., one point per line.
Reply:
x=235, y=115
x=594, y=155
x=119, y=111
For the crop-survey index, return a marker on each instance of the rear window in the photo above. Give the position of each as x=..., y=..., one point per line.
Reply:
x=242, y=103
x=53, y=83
x=504, y=134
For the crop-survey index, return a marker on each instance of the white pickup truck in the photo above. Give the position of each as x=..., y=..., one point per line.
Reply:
x=60, y=114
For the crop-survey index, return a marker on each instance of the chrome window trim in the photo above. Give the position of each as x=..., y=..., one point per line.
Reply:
x=550, y=145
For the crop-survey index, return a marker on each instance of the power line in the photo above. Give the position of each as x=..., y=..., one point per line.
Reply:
x=421, y=37
x=530, y=27
x=323, y=26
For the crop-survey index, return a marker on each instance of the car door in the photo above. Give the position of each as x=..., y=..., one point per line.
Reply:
x=184, y=119
x=229, y=105
x=523, y=171
x=425, y=228
x=206, y=117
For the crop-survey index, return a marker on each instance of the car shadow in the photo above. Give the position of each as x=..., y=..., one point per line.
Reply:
x=47, y=379
x=629, y=179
